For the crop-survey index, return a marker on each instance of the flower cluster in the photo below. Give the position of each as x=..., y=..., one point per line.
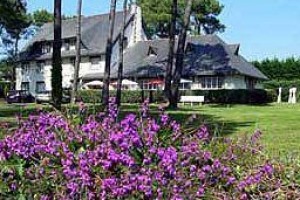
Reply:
x=134, y=158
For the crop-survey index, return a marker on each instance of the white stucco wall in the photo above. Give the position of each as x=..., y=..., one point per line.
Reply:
x=33, y=76
x=234, y=82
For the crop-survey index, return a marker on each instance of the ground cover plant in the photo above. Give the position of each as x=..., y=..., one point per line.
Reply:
x=104, y=156
x=279, y=122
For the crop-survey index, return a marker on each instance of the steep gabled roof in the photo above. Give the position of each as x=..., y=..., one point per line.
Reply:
x=209, y=55
x=94, y=32
x=235, y=48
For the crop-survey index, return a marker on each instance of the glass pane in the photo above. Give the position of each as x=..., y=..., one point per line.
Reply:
x=214, y=82
x=208, y=82
x=220, y=82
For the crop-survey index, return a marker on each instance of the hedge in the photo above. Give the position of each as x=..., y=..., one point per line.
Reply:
x=285, y=85
x=211, y=96
x=94, y=96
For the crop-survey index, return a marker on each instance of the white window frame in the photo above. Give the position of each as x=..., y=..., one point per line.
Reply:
x=95, y=62
x=46, y=48
x=37, y=88
x=212, y=82
x=150, y=86
x=25, y=86
x=40, y=67
x=25, y=68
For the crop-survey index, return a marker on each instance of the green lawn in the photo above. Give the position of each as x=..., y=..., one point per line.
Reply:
x=280, y=124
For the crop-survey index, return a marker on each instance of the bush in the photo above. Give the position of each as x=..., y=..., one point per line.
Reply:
x=94, y=96
x=285, y=85
x=211, y=96
x=138, y=157
x=233, y=96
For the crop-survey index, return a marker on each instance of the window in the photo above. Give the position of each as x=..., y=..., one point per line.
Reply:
x=102, y=57
x=40, y=67
x=213, y=82
x=40, y=87
x=66, y=45
x=189, y=48
x=25, y=86
x=152, y=52
x=46, y=48
x=95, y=61
x=72, y=61
x=185, y=86
x=150, y=86
x=250, y=83
x=25, y=68
x=125, y=42
x=72, y=44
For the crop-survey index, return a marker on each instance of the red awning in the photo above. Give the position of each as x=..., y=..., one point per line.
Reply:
x=155, y=81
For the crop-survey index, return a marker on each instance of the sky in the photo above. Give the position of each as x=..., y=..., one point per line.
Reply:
x=263, y=28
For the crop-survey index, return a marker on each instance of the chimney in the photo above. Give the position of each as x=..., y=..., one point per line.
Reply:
x=137, y=32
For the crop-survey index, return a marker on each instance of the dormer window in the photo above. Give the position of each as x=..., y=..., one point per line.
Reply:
x=189, y=48
x=40, y=67
x=46, y=48
x=152, y=51
x=25, y=68
x=68, y=45
x=125, y=42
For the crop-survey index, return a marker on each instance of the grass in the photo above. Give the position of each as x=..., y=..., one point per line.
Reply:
x=280, y=124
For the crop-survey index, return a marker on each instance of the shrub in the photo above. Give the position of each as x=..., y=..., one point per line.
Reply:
x=94, y=96
x=233, y=96
x=285, y=85
x=138, y=157
x=211, y=96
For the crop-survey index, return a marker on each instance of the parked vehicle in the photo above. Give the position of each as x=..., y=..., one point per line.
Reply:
x=45, y=97
x=19, y=96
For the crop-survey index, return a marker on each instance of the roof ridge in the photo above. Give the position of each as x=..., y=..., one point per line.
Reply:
x=83, y=17
x=101, y=15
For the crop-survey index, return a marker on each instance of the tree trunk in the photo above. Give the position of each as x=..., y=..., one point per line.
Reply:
x=180, y=55
x=56, y=78
x=198, y=25
x=121, y=44
x=15, y=60
x=106, y=78
x=78, y=53
x=169, y=68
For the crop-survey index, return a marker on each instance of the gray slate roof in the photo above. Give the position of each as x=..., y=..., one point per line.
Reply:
x=206, y=55
x=94, y=35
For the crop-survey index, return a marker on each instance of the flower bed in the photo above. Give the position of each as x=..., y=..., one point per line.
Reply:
x=138, y=157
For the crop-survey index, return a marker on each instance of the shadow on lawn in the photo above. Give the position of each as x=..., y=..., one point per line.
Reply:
x=217, y=126
x=236, y=105
x=184, y=115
